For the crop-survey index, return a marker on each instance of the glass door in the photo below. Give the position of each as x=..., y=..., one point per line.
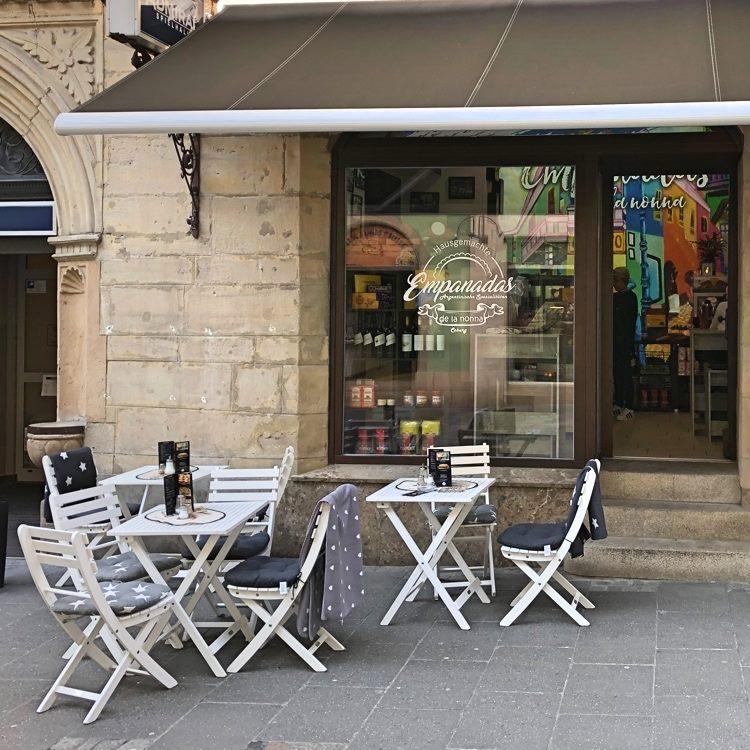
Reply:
x=671, y=317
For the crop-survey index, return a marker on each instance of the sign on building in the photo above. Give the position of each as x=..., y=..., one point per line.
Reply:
x=150, y=24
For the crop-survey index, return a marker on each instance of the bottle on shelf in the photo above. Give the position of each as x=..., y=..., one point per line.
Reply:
x=390, y=341
x=378, y=340
x=407, y=334
x=358, y=339
x=367, y=342
x=418, y=337
x=439, y=342
x=429, y=339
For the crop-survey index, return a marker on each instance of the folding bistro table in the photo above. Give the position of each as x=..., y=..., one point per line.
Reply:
x=462, y=497
x=220, y=520
x=146, y=477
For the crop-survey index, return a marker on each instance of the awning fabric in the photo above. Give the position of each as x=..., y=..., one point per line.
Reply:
x=400, y=64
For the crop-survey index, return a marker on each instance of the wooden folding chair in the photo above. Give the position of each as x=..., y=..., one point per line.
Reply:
x=481, y=522
x=94, y=512
x=256, y=538
x=281, y=580
x=550, y=558
x=115, y=607
x=98, y=541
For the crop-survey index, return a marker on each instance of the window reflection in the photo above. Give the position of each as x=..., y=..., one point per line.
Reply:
x=460, y=310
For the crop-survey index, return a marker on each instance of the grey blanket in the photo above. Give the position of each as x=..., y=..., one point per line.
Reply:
x=336, y=585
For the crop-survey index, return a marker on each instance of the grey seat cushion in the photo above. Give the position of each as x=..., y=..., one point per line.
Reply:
x=127, y=567
x=263, y=572
x=480, y=514
x=534, y=536
x=125, y=598
x=246, y=545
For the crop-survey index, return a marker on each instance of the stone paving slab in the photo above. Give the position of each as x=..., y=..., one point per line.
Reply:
x=663, y=665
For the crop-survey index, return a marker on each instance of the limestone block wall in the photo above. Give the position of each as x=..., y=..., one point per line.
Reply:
x=222, y=340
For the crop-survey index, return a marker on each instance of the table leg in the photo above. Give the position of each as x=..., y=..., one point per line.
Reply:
x=144, y=498
x=211, y=577
x=427, y=562
x=474, y=583
x=445, y=545
x=182, y=616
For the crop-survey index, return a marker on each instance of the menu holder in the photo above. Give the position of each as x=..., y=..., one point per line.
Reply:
x=170, y=494
x=432, y=461
x=443, y=476
x=182, y=456
x=185, y=489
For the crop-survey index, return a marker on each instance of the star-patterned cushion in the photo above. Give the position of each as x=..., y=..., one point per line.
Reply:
x=73, y=470
x=124, y=598
x=127, y=567
x=246, y=545
x=479, y=514
x=263, y=572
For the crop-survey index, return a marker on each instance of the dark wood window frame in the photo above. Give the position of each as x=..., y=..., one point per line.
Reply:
x=596, y=158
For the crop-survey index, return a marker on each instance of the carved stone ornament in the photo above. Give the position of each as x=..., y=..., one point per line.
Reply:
x=73, y=281
x=17, y=160
x=75, y=246
x=67, y=51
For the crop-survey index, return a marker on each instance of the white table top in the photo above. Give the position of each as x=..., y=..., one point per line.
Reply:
x=392, y=494
x=130, y=478
x=235, y=514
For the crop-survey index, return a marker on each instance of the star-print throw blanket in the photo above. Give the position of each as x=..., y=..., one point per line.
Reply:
x=597, y=528
x=73, y=470
x=336, y=585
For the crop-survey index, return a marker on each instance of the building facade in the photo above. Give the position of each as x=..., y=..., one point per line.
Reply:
x=244, y=339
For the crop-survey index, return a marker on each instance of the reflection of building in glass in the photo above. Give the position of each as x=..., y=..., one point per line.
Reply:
x=670, y=222
x=545, y=229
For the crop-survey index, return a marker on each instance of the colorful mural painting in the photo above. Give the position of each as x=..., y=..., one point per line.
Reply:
x=665, y=228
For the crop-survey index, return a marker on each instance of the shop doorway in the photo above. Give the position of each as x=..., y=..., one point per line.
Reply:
x=28, y=342
x=28, y=305
x=671, y=318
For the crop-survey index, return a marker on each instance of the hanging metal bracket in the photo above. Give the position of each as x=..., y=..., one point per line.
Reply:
x=188, y=149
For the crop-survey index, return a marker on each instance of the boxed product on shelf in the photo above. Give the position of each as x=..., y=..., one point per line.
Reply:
x=409, y=432
x=363, y=282
x=365, y=301
x=361, y=393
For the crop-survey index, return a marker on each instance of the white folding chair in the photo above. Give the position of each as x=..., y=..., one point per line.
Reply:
x=116, y=607
x=98, y=541
x=243, y=485
x=289, y=578
x=548, y=561
x=481, y=522
x=94, y=512
x=256, y=538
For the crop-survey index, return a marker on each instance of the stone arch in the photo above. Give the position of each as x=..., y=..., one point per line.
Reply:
x=31, y=96
x=36, y=84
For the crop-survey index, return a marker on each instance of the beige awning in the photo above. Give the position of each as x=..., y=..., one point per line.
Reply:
x=481, y=63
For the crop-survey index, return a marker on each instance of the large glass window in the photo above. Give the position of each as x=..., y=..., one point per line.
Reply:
x=459, y=310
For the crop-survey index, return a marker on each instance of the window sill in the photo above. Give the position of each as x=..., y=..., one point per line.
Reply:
x=384, y=473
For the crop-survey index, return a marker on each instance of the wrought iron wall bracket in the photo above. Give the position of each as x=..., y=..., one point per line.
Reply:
x=188, y=149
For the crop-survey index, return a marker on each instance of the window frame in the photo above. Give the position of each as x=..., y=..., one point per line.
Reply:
x=595, y=158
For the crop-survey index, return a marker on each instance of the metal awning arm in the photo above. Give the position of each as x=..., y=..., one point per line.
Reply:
x=188, y=149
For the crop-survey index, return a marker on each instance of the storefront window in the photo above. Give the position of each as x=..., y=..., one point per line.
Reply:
x=459, y=310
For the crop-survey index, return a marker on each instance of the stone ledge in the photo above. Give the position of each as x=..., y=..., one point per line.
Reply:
x=384, y=473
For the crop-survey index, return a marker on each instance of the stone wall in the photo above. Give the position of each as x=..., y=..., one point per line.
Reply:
x=222, y=340
x=520, y=495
